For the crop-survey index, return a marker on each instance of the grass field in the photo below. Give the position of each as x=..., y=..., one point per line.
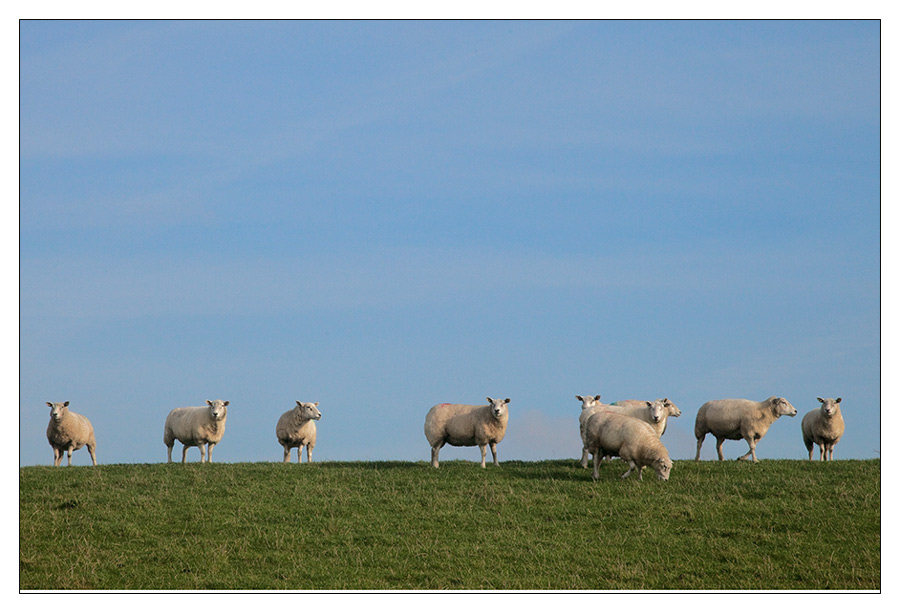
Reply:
x=776, y=525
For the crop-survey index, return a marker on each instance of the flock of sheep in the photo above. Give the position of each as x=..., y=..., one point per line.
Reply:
x=629, y=429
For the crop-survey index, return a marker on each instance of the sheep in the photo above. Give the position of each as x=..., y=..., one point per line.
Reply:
x=736, y=419
x=655, y=413
x=467, y=425
x=196, y=427
x=824, y=427
x=589, y=406
x=659, y=425
x=633, y=440
x=68, y=431
x=297, y=428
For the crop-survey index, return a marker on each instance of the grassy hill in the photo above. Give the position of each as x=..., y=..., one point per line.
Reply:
x=776, y=525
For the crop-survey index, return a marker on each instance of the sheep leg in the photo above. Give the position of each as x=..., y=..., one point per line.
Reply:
x=69, y=455
x=299, y=454
x=483, y=449
x=57, y=456
x=434, y=454
x=719, y=442
x=184, y=454
x=287, y=454
x=209, y=449
x=699, y=444
x=597, y=459
x=829, y=451
x=584, y=457
x=631, y=467
x=752, y=453
x=494, y=453
x=170, y=455
x=309, y=453
x=92, y=449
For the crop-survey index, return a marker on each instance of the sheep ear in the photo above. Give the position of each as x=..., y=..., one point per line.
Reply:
x=820, y=400
x=225, y=404
x=577, y=397
x=506, y=401
x=491, y=400
x=838, y=401
x=66, y=403
x=316, y=404
x=50, y=404
x=597, y=397
x=298, y=403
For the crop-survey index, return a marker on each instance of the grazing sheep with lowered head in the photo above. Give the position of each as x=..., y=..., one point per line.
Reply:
x=297, y=428
x=196, y=427
x=823, y=427
x=736, y=418
x=589, y=406
x=633, y=440
x=467, y=425
x=68, y=431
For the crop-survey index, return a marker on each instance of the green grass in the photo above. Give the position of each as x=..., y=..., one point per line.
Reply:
x=776, y=525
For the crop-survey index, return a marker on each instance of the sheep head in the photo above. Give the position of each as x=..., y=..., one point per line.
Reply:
x=58, y=410
x=217, y=409
x=498, y=407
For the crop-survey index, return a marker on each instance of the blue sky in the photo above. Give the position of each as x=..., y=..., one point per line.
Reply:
x=382, y=216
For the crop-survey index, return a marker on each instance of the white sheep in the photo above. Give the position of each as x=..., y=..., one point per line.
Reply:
x=467, y=425
x=823, y=427
x=655, y=413
x=196, y=427
x=633, y=440
x=589, y=406
x=658, y=424
x=297, y=428
x=68, y=431
x=736, y=419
